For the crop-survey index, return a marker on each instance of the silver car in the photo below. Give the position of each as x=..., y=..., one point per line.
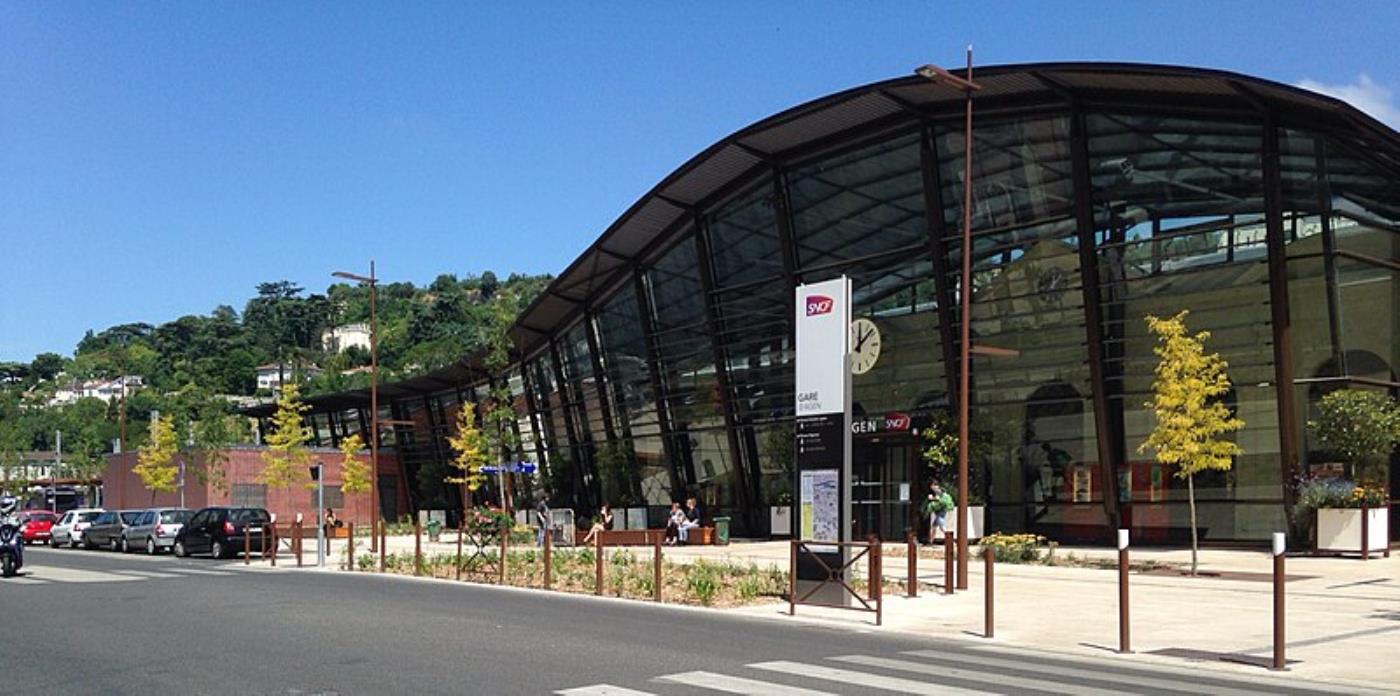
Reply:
x=69, y=528
x=155, y=529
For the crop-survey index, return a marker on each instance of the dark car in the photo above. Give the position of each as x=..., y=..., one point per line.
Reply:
x=106, y=530
x=219, y=531
x=36, y=526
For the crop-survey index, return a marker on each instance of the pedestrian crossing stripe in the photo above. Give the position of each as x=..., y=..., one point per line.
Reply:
x=602, y=690
x=714, y=681
x=1072, y=672
x=45, y=575
x=991, y=679
x=865, y=679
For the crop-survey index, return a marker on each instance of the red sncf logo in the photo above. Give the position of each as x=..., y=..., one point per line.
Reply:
x=818, y=304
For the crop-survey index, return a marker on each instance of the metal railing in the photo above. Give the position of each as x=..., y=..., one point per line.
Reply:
x=840, y=576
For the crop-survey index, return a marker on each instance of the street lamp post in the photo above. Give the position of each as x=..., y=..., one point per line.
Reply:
x=941, y=76
x=372, y=282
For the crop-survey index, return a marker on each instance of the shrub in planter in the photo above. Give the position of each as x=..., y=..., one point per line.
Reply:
x=1013, y=548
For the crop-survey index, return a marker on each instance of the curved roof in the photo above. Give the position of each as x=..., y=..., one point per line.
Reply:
x=833, y=118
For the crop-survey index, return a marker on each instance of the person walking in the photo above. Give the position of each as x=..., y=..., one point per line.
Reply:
x=542, y=518
x=937, y=507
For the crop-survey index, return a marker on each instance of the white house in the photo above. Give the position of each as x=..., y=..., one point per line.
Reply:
x=270, y=375
x=340, y=338
x=104, y=389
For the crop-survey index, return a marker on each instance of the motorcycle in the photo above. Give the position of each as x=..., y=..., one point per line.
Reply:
x=11, y=555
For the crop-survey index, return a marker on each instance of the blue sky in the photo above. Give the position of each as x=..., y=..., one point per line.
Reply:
x=160, y=159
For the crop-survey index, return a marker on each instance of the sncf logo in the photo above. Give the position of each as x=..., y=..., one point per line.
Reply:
x=818, y=304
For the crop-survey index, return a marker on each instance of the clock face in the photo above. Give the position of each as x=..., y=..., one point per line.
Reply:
x=865, y=345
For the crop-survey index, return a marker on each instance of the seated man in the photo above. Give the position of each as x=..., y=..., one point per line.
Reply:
x=692, y=520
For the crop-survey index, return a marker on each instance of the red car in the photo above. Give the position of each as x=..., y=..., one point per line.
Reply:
x=36, y=526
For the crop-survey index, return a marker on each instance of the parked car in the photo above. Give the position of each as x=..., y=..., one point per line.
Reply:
x=36, y=526
x=219, y=531
x=71, y=526
x=106, y=530
x=155, y=529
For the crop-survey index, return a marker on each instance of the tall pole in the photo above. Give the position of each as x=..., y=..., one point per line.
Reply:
x=320, y=514
x=965, y=339
x=121, y=424
x=57, y=467
x=374, y=410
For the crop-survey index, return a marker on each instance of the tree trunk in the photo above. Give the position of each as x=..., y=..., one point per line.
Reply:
x=1191, y=498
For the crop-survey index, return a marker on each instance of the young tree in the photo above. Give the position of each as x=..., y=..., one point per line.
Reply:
x=155, y=459
x=1362, y=427
x=354, y=472
x=472, y=449
x=1187, y=403
x=286, y=459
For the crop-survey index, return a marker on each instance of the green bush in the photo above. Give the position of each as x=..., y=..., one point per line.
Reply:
x=1013, y=548
x=703, y=581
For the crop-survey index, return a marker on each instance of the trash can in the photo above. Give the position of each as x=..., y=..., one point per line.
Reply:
x=721, y=531
x=434, y=530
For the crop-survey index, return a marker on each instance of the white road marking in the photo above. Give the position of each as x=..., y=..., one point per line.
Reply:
x=992, y=679
x=146, y=574
x=738, y=685
x=22, y=580
x=61, y=574
x=603, y=690
x=1102, y=675
x=866, y=679
x=199, y=571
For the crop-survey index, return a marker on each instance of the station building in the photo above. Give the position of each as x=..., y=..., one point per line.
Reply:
x=660, y=362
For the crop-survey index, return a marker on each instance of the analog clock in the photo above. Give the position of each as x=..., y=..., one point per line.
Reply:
x=865, y=345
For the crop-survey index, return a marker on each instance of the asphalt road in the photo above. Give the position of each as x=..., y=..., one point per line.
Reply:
x=91, y=622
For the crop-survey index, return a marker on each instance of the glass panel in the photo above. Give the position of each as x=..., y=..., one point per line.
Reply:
x=744, y=239
x=1369, y=304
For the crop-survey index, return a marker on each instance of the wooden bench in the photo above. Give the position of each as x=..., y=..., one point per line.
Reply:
x=700, y=536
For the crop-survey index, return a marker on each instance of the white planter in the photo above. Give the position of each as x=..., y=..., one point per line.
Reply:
x=976, y=515
x=636, y=518
x=1339, y=529
x=780, y=521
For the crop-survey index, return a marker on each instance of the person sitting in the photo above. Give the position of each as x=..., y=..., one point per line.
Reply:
x=673, y=524
x=602, y=523
x=691, y=521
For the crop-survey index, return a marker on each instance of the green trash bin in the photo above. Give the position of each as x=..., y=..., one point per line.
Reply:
x=434, y=530
x=721, y=531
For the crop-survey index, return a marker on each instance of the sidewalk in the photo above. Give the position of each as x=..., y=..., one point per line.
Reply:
x=1343, y=614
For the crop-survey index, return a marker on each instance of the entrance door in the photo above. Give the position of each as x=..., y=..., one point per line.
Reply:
x=881, y=487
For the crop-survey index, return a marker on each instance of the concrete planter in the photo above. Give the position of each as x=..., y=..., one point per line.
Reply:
x=1339, y=530
x=976, y=516
x=780, y=521
x=635, y=518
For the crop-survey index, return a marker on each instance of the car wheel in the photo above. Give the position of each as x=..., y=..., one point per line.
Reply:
x=216, y=549
x=151, y=546
x=179, y=548
x=116, y=544
x=126, y=545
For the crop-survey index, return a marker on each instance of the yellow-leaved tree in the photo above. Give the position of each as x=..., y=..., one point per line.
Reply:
x=354, y=472
x=471, y=447
x=286, y=459
x=155, y=460
x=1187, y=401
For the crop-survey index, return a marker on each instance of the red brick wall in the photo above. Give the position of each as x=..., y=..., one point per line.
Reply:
x=243, y=466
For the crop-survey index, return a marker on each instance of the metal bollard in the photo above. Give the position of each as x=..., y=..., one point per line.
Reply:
x=274, y=545
x=876, y=572
x=262, y=539
x=989, y=556
x=1124, y=646
x=461, y=531
x=548, y=560
x=913, y=543
x=247, y=544
x=350, y=548
x=1280, y=545
x=505, y=538
x=792, y=578
x=383, y=542
x=296, y=541
x=656, y=568
x=948, y=554
x=417, y=546
x=598, y=565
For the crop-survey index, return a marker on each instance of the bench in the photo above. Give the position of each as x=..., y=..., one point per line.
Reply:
x=700, y=536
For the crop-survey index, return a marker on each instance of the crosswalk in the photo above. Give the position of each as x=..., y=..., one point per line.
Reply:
x=47, y=575
x=933, y=673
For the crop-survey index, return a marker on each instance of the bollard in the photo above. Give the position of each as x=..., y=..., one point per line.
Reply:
x=274, y=545
x=1280, y=545
x=548, y=560
x=247, y=544
x=296, y=540
x=598, y=565
x=792, y=578
x=417, y=546
x=876, y=573
x=461, y=530
x=383, y=542
x=1365, y=533
x=656, y=568
x=262, y=539
x=913, y=543
x=505, y=538
x=989, y=556
x=350, y=547
x=948, y=554
x=1123, y=643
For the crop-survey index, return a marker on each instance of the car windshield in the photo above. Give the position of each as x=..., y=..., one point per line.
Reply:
x=87, y=516
x=250, y=515
x=175, y=516
x=130, y=517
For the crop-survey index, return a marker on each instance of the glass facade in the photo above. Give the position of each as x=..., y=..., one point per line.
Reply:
x=676, y=377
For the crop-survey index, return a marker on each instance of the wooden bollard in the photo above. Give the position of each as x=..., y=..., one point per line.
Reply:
x=876, y=571
x=350, y=547
x=417, y=546
x=792, y=577
x=383, y=542
x=247, y=544
x=274, y=545
x=989, y=557
x=296, y=540
x=656, y=568
x=948, y=554
x=913, y=544
x=505, y=540
x=548, y=560
x=461, y=531
x=1280, y=658
x=1124, y=638
x=598, y=564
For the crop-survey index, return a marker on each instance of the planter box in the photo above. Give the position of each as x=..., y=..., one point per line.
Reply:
x=636, y=518
x=976, y=516
x=1339, y=530
x=780, y=521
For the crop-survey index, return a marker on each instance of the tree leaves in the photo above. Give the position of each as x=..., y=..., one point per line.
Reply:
x=1187, y=402
x=155, y=460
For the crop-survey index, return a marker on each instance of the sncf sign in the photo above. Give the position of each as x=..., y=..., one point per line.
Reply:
x=818, y=304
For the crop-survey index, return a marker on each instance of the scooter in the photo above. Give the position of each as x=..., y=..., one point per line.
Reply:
x=11, y=553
